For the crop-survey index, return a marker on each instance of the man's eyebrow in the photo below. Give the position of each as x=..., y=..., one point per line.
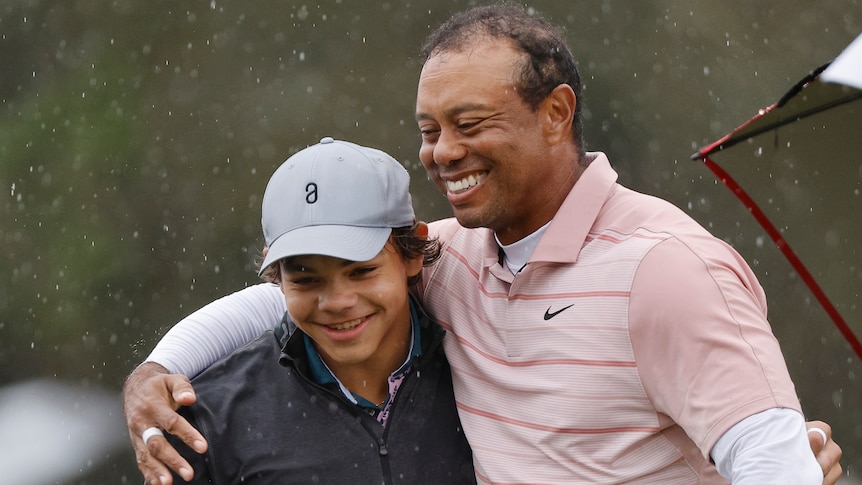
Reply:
x=453, y=111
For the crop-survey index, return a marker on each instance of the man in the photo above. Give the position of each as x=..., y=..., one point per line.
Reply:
x=596, y=335
x=353, y=386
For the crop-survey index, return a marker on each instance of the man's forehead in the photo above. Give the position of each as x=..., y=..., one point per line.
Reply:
x=483, y=48
x=475, y=68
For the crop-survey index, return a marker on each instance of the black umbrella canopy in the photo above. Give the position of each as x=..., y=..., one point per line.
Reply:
x=797, y=167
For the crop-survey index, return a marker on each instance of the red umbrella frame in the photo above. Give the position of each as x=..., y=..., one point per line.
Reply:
x=828, y=98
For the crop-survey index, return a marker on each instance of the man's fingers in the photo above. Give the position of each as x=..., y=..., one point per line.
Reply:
x=182, y=394
x=153, y=470
x=834, y=475
x=164, y=453
x=177, y=425
x=827, y=451
x=180, y=389
x=151, y=397
x=156, y=455
x=829, y=457
x=817, y=438
x=819, y=434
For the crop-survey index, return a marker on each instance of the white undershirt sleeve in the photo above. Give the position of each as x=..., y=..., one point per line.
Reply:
x=218, y=329
x=768, y=447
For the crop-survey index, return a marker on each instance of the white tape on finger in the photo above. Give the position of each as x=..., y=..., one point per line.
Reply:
x=821, y=433
x=152, y=431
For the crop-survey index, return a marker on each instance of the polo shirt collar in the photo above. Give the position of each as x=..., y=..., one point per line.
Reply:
x=572, y=223
x=570, y=226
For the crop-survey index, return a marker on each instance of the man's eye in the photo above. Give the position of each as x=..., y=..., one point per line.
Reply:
x=466, y=125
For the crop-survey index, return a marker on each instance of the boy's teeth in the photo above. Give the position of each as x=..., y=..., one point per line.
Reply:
x=346, y=325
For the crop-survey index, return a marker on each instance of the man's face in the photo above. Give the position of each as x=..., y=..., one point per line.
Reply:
x=481, y=144
x=357, y=313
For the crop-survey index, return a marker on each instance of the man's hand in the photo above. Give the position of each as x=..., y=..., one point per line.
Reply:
x=151, y=397
x=828, y=452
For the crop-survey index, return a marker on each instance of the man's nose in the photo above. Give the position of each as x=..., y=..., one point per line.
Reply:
x=449, y=148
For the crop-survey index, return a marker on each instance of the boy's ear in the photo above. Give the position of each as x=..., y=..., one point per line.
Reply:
x=414, y=266
x=421, y=230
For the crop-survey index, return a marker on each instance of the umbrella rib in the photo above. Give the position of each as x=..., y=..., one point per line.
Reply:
x=792, y=92
x=778, y=123
x=785, y=248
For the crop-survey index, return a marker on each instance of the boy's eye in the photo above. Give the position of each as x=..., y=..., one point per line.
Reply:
x=364, y=270
x=304, y=280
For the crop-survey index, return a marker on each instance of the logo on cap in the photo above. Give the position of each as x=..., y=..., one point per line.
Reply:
x=311, y=193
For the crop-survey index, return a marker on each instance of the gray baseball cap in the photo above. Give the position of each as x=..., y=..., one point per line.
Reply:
x=337, y=199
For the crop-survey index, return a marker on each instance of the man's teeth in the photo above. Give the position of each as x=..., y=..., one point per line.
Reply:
x=346, y=325
x=463, y=184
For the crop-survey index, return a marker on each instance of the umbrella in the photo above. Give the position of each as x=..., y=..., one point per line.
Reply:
x=797, y=167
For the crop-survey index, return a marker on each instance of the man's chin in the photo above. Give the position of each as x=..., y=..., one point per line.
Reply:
x=468, y=220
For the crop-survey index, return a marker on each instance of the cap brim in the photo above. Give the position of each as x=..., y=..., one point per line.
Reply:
x=346, y=242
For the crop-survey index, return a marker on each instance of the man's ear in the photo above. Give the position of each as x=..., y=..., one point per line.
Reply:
x=265, y=250
x=559, y=112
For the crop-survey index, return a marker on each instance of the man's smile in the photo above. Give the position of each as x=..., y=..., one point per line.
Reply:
x=472, y=180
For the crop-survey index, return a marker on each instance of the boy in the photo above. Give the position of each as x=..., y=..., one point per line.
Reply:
x=353, y=386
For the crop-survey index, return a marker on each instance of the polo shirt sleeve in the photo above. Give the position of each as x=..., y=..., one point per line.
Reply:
x=704, y=349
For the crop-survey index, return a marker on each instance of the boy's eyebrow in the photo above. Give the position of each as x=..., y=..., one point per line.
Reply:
x=296, y=267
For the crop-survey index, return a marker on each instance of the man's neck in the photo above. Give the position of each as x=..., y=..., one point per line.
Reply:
x=518, y=253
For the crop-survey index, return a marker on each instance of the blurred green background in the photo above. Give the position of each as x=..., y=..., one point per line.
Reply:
x=136, y=139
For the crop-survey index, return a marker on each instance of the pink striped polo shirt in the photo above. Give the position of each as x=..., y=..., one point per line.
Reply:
x=623, y=350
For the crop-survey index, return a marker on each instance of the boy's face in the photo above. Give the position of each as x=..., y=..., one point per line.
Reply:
x=357, y=313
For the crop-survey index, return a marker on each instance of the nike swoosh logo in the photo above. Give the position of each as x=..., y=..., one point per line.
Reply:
x=549, y=315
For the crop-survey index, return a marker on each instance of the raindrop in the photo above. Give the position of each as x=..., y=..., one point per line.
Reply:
x=838, y=398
